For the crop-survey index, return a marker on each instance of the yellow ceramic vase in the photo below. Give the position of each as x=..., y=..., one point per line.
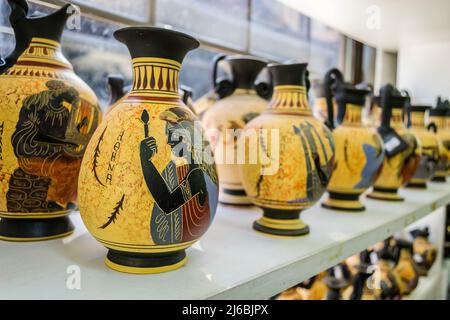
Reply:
x=47, y=116
x=438, y=122
x=238, y=104
x=402, y=150
x=359, y=150
x=430, y=147
x=148, y=183
x=288, y=156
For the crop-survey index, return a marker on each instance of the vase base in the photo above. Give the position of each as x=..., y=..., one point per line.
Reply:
x=439, y=179
x=291, y=226
x=343, y=202
x=27, y=230
x=145, y=263
x=234, y=197
x=417, y=185
x=385, y=195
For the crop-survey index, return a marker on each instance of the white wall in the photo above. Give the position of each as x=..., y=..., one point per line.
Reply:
x=424, y=70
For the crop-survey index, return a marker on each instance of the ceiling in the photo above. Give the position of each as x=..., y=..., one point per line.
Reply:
x=386, y=24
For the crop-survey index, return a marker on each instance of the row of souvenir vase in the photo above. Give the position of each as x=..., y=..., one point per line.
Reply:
x=147, y=187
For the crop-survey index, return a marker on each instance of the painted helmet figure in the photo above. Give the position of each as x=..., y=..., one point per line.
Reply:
x=148, y=185
x=359, y=150
x=47, y=117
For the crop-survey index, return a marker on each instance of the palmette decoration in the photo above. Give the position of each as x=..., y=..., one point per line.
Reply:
x=402, y=150
x=148, y=185
x=239, y=102
x=430, y=147
x=359, y=150
x=294, y=155
x=47, y=116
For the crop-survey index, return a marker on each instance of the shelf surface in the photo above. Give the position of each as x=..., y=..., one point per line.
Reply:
x=230, y=262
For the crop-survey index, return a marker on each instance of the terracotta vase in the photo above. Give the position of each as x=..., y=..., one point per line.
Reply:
x=374, y=118
x=337, y=280
x=148, y=183
x=313, y=288
x=429, y=145
x=384, y=284
x=359, y=149
x=47, y=116
x=405, y=271
x=238, y=103
x=293, y=155
x=424, y=252
x=402, y=150
x=361, y=269
x=438, y=123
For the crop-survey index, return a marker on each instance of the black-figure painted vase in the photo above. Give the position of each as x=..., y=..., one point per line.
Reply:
x=148, y=183
x=239, y=102
x=293, y=153
x=429, y=144
x=47, y=116
x=401, y=146
x=439, y=123
x=359, y=150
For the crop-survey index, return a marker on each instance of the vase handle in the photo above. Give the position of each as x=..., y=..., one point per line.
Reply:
x=264, y=84
x=332, y=77
x=116, y=88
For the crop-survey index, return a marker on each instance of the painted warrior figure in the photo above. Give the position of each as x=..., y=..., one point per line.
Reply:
x=185, y=195
x=48, y=162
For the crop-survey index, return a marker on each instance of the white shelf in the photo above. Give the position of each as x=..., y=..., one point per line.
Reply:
x=230, y=262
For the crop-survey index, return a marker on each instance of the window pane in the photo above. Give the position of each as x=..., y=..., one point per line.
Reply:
x=196, y=71
x=220, y=21
x=326, y=46
x=136, y=9
x=278, y=32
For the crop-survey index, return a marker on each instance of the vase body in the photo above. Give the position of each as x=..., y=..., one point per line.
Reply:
x=148, y=186
x=224, y=120
x=429, y=144
x=424, y=252
x=358, y=149
x=439, y=118
x=47, y=117
x=405, y=272
x=402, y=151
x=293, y=153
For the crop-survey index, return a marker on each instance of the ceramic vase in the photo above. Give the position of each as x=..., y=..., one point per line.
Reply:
x=424, y=252
x=359, y=150
x=238, y=103
x=293, y=153
x=402, y=150
x=148, y=183
x=438, y=120
x=385, y=286
x=47, y=116
x=429, y=145
x=405, y=270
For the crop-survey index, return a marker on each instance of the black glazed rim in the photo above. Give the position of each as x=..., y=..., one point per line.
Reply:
x=439, y=179
x=281, y=232
x=239, y=57
x=420, y=185
x=38, y=229
x=418, y=108
x=288, y=74
x=151, y=29
x=439, y=112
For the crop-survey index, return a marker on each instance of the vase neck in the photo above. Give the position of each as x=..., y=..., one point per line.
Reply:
x=397, y=118
x=417, y=120
x=352, y=116
x=290, y=97
x=155, y=77
x=43, y=53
